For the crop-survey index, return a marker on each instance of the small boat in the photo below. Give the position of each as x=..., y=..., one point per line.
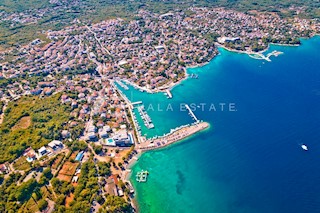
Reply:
x=304, y=147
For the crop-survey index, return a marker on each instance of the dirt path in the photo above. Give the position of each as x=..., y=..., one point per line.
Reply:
x=2, y=114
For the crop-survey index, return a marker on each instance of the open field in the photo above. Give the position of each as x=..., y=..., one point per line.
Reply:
x=69, y=198
x=23, y=123
x=64, y=177
x=46, y=193
x=67, y=171
x=69, y=168
x=21, y=164
x=57, y=161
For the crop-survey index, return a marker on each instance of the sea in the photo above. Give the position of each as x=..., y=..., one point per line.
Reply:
x=250, y=160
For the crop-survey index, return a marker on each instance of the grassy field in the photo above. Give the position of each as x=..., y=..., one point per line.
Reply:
x=57, y=161
x=31, y=121
x=21, y=164
x=30, y=206
x=22, y=5
x=23, y=123
x=46, y=192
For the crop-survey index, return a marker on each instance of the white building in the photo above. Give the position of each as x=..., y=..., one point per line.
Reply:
x=103, y=133
x=55, y=145
x=122, y=138
x=42, y=151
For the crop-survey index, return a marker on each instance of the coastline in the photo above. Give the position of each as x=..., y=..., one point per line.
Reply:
x=171, y=85
x=141, y=151
x=174, y=136
x=203, y=126
x=267, y=48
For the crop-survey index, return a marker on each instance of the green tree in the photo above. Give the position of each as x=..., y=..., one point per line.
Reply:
x=42, y=204
x=25, y=190
x=97, y=149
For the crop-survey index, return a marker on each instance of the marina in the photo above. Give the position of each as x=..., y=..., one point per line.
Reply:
x=145, y=117
x=260, y=56
x=125, y=87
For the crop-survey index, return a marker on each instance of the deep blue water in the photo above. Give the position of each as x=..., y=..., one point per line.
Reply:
x=250, y=160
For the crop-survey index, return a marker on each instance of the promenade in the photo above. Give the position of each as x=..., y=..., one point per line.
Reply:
x=172, y=137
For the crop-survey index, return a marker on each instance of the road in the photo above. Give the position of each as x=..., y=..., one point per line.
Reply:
x=98, y=40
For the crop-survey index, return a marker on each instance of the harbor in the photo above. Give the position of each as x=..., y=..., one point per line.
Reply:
x=125, y=87
x=137, y=108
x=260, y=56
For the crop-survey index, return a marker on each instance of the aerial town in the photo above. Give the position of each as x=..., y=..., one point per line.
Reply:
x=154, y=50
x=83, y=65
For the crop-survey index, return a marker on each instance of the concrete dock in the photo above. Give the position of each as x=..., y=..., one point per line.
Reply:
x=192, y=114
x=172, y=137
x=169, y=93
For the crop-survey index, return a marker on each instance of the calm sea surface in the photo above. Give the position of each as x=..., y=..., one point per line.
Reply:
x=250, y=160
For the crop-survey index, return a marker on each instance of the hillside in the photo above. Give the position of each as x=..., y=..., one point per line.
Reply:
x=31, y=121
x=21, y=18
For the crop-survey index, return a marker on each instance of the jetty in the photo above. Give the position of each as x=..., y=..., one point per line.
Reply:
x=175, y=135
x=136, y=103
x=142, y=176
x=260, y=56
x=192, y=114
x=168, y=93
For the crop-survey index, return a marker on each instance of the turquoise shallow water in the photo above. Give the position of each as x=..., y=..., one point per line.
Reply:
x=250, y=160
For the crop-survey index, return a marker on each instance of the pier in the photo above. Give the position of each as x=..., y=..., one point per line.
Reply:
x=172, y=137
x=168, y=93
x=191, y=113
x=136, y=103
x=267, y=57
x=130, y=106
